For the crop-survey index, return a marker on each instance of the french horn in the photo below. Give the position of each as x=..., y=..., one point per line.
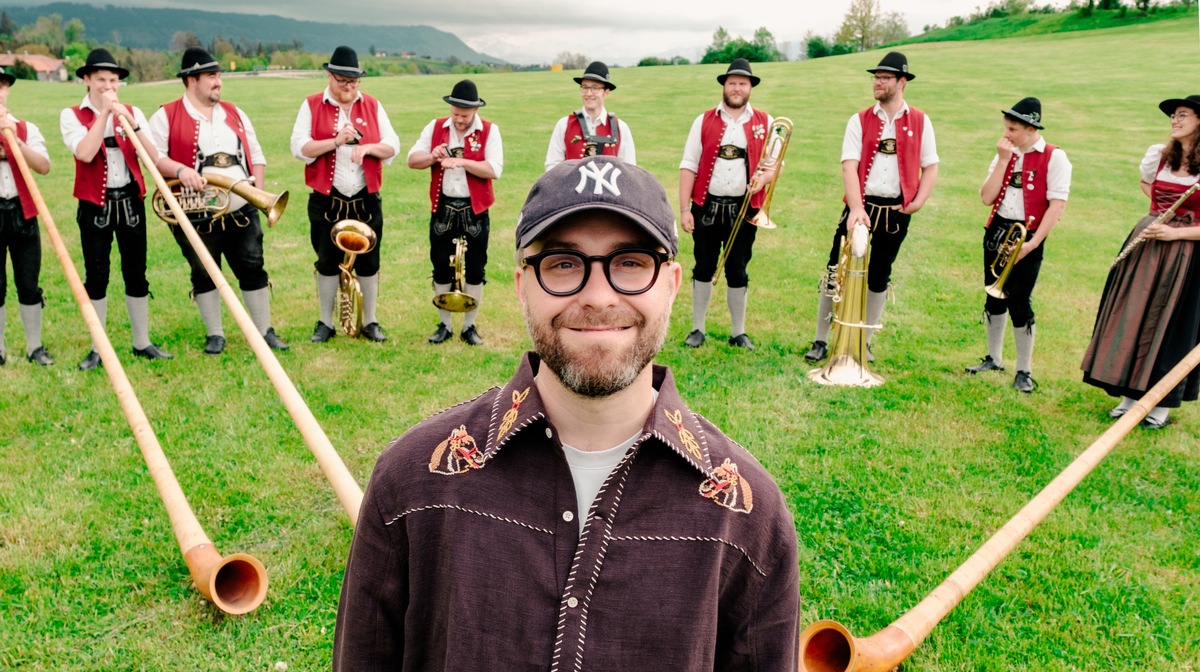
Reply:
x=455, y=300
x=354, y=238
x=213, y=200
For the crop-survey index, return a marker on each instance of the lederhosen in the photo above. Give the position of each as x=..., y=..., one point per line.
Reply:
x=235, y=235
x=19, y=235
x=454, y=217
x=1031, y=183
x=714, y=215
x=578, y=143
x=326, y=204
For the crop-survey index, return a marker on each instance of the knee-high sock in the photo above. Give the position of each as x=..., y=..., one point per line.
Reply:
x=445, y=316
x=139, y=320
x=737, y=297
x=996, y=325
x=875, y=302
x=1024, y=337
x=209, y=304
x=475, y=292
x=369, y=284
x=824, y=317
x=101, y=308
x=701, y=295
x=327, y=288
x=258, y=304
x=31, y=318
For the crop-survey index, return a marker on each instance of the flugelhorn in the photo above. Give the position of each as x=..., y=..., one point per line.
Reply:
x=455, y=300
x=1006, y=257
x=354, y=238
x=828, y=646
x=236, y=583
x=773, y=151
x=213, y=200
x=848, y=352
x=1165, y=216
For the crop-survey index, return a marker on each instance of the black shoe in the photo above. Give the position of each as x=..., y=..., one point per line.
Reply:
x=273, y=340
x=1024, y=382
x=374, y=332
x=471, y=336
x=214, y=344
x=90, y=362
x=152, y=351
x=985, y=364
x=870, y=354
x=41, y=356
x=1154, y=423
x=817, y=352
x=741, y=341
x=694, y=339
x=323, y=332
x=442, y=334
x=1, y=359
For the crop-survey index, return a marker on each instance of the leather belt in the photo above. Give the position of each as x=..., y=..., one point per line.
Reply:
x=7, y=204
x=219, y=160
x=120, y=193
x=731, y=152
x=887, y=146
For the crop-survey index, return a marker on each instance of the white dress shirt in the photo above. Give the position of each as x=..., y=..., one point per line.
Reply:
x=884, y=179
x=454, y=180
x=73, y=133
x=35, y=142
x=729, y=175
x=348, y=176
x=1058, y=181
x=556, y=153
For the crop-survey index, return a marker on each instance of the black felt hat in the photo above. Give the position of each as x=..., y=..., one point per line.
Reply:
x=740, y=66
x=7, y=77
x=598, y=72
x=895, y=62
x=1027, y=111
x=1169, y=106
x=197, y=61
x=344, y=62
x=101, y=59
x=464, y=95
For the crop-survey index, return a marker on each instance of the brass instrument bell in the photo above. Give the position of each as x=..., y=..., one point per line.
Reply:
x=354, y=238
x=455, y=300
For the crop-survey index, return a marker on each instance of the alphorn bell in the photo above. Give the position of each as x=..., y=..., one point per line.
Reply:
x=344, y=485
x=828, y=646
x=236, y=583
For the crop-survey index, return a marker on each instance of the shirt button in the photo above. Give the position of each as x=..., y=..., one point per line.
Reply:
x=549, y=433
x=572, y=602
x=568, y=516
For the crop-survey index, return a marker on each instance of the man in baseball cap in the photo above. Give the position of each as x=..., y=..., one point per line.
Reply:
x=586, y=463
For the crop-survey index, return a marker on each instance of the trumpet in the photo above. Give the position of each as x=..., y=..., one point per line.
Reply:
x=455, y=300
x=774, y=149
x=1006, y=258
x=213, y=200
x=354, y=238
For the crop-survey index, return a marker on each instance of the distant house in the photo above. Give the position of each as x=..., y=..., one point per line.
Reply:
x=48, y=69
x=408, y=54
x=381, y=54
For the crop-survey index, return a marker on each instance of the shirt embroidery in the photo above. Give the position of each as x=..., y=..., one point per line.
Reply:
x=510, y=416
x=457, y=454
x=727, y=488
x=685, y=437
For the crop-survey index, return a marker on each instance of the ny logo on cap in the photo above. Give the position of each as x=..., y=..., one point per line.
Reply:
x=598, y=173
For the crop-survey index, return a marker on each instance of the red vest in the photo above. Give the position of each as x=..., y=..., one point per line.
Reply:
x=712, y=129
x=909, y=131
x=28, y=207
x=575, y=140
x=1033, y=183
x=183, y=141
x=318, y=175
x=91, y=178
x=474, y=145
x=1163, y=194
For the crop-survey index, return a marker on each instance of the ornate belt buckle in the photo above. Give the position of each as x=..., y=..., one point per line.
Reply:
x=729, y=152
x=887, y=146
x=222, y=160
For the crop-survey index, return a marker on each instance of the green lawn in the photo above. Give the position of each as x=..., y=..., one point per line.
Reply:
x=892, y=488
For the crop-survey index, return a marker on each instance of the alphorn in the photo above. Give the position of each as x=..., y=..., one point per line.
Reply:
x=828, y=646
x=235, y=583
x=344, y=485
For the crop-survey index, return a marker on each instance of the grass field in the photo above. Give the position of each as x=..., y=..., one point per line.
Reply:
x=892, y=488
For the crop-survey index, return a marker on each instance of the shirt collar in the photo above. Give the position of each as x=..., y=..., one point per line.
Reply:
x=883, y=115
x=328, y=97
x=476, y=125
x=601, y=116
x=217, y=114
x=747, y=112
x=87, y=104
x=518, y=408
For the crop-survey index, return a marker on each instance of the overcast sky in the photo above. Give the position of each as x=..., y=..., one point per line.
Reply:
x=616, y=31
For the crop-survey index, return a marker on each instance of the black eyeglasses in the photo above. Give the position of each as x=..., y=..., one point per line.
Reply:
x=628, y=270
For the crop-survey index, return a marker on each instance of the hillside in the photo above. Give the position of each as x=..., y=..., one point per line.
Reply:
x=146, y=28
x=1036, y=23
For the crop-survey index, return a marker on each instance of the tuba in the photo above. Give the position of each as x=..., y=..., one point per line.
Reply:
x=354, y=238
x=1006, y=258
x=213, y=200
x=848, y=352
x=774, y=149
x=455, y=300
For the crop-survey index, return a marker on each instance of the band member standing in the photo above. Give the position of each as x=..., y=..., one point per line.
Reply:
x=464, y=154
x=19, y=232
x=889, y=167
x=592, y=130
x=111, y=192
x=345, y=138
x=1027, y=184
x=200, y=133
x=718, y=171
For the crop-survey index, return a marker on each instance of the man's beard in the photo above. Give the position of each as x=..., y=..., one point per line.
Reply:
x=729, y=103
x=886, y=96
x=596, y=371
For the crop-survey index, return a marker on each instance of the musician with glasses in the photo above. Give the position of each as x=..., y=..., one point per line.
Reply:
x=593, y=129
x=1027, y=185
x=1149, y=314
x=111, y=191
x=581, y=510
x=19, y=233
x=200, y=133
x=889, y=167
x=719, y=170
x=464, y=154
x=344, y=137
